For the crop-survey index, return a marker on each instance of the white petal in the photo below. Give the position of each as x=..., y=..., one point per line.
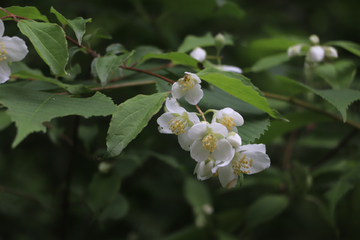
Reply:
x=199, y=130
x=177, y=91
x=314, y=39
x=260, y=162
x=330, y=52
x=2, y=28
x=252, y=148
x=219, y=128
x=193, y=118
x=15, y=47
x=315, y=54
x=194, y=95
x=294, y=50
x=163, y=122
x=228, y=68
x=184, y=140
x=5, y=71
x=173, y=106
x=199, y=54
x=224, y=151
x=203, y=170
x=234, y=139
x=197, y=152
x=227, y=176
x=193, y=77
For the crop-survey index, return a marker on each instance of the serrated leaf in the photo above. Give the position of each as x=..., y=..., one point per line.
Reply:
x=175, y=58
x=196, y=193
x=29, y=108
x=347, y=45
x=339, y=74
x=234, y=86
x=77, y=24
x=129, y=119
x=102, y=190
x=50, y=43
x=265, y=209
x=269, y=62
x=339, y=98
x=191, y=42
x=107, y=65
x=26, y=12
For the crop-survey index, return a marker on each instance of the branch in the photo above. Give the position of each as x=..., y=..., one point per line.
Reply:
x=148, y=73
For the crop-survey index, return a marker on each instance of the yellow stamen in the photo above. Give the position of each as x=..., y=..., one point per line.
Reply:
x=2, y=52
x=241, y=165
x=186, y=83
x=227, y=121
x=209, y=142
x=177, y=125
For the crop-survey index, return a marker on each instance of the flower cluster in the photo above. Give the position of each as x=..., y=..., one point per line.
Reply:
x=216, y=146
x=316, y=53
x=12, y=49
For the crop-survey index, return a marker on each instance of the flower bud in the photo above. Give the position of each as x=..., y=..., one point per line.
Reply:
x=315, y=54
x=294, y=50
x=314, y=39
x=219, y=41
x=330, y=52
x=234, y=139
x=199, y=54
x=105, y=167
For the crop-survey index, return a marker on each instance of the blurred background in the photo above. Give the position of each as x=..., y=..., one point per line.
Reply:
x=311, y=191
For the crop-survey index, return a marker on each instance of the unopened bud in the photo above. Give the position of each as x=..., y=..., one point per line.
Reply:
x=294, y=50
x=104, y=167
x=330, y=52
x=314, y=39
x=315, y=54
x=199, y=54
x=219, y=41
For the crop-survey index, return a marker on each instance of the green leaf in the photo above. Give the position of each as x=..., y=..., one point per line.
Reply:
x=265, y=209
x=106, y=66
x=338, y=75
x=116, y=48
x=175, y=58
x=192, y=232
x=336, y=193
x=339, y=98
x=102, y=190
x=26, y=12
x=168, y=159
x=29, y=108
x=232, y=83
x=77, y=24
x=191, y=42
x=196, y=193
x=140, y=52
x=129, y=119
x=269, y=62
x=347, y=45
x=50, y=43
x=117, y=209
x=230, y=9
x=5, y=120
x=98, y=33
x=269, y=46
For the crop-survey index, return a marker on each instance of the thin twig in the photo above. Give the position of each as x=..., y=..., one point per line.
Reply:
x=199, y=110
x=148, y=73
x=19, y=194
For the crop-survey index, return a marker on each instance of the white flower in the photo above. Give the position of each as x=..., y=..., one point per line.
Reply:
x=229, y=118
x=294, y=50
x=189, y=87
x=228, y=68
x=210, y=139
x=199, y=54
x=234, y=139
x=203, y=169
x=314, y=39
x=12, y=49
x=315, y=54
x=248, y=159
x=330, y=52
x=177, y=121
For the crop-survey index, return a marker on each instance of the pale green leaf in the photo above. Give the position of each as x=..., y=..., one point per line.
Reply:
x=50, y=43
x=234, y=86
x=106, y=66
x=339, y=74
x=266, y=208
x=26, y=12
x=196, y=193
x=175, y=58
x=269, y=62
x=350, y=46
x=29, y=108
x=191, y=42
x=102, y=190
x=129, y=119
x=77, y=24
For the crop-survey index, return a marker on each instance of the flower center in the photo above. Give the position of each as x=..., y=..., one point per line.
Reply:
x=209, y=142
x=241, y=165
x=186, y=83
x=177, y=125
x=2, y=52
x=227, y=121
